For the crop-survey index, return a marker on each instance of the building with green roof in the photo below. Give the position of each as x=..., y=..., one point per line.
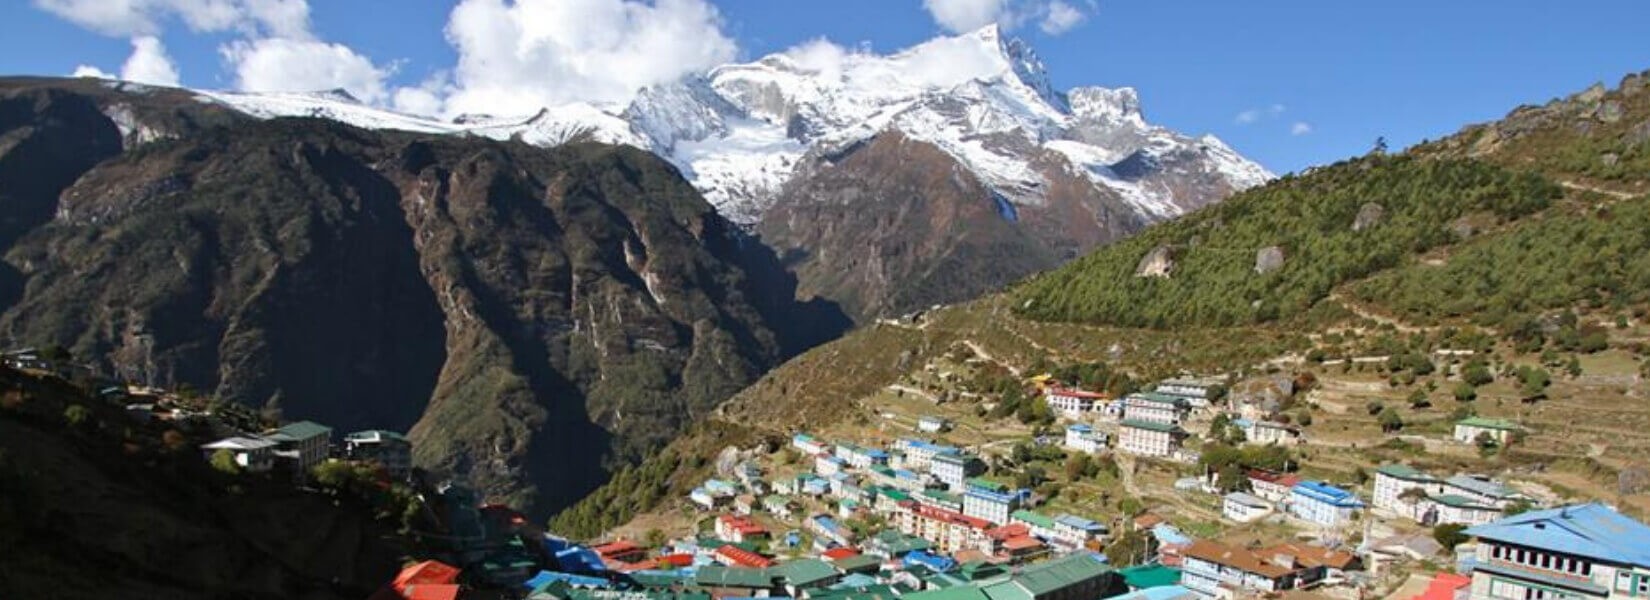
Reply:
x=804, y=573
x=1467, y=430
x=894, y=544
x=1071, y=577
x=861, y=563
x=301, y=445
x=1149, y=438
x=959, y=592
x=718, y=576
x=1144, y=577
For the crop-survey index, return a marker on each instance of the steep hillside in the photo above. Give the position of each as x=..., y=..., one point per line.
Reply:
x=536, y=317
x=811, y=148
x=96, y=503
x=1347, y=278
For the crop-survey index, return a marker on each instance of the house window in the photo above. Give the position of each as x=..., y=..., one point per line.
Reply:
x=1643, y=586
x=1624, y=581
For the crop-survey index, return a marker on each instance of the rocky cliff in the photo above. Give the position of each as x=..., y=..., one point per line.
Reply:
x=534, y=316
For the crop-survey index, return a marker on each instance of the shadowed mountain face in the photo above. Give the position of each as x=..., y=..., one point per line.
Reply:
x=533, y=316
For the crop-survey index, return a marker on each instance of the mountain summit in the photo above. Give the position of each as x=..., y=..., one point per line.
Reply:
x=739, y=131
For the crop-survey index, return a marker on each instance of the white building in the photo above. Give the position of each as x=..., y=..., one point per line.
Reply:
x=932, y=424
x=807, y=444
x=1149, y=438
x=252, y=454
x=990, y=501
x=826, y=465
x=1243, y=508
x=861, y=457
x=1391, y=483
x=1481, y=490
x=953, y=469
x=1323, y=504
x=389, y=449
x=917, y=454
x=1198, y=392
x=1468, y=430
x=1452, y=508
x=1155, y=408
x=302, y=445
x=1083, y=438
x=1072, y=403
x=1263, y=432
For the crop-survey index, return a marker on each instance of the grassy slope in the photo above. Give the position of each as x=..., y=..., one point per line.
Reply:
x=1354, y=293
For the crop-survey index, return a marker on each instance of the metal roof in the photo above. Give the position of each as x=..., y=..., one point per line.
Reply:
x=1404, y=472
x=1589, y=530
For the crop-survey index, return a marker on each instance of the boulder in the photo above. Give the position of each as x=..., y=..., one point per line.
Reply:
x=1462, y=228
x=1369, y=215
x=1610, y=111
x=1157, y=263
x=1609, y=159
x=1639, y=134
x=1632, y=84
x=1592, y=94
x=1268, y=259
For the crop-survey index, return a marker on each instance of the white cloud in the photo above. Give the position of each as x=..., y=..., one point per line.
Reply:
x=149, y=63
x=1054, y=17
x=1255, y=114
x=516, y=56
x=1300, y=128
x=91, y=71
x=1062, y=17
x=959, y=16
x=133, y=18
x=821, y=56
x=424, y=99
x=283, y=64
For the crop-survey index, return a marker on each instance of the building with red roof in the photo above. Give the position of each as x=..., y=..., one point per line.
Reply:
x=839, y=553
x=682, y=559
x=1272, y=486
x=950, y=531
x=428, y=580
x=735, y=556
x=1444, y=586
x=739, y=528
x=620, y=551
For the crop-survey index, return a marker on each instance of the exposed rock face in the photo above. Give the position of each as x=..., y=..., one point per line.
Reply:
x=533, y=316
x=894, y=225
x=1268, y=259
x=1610, y=111
x=1159, y=262
x=1369, y=215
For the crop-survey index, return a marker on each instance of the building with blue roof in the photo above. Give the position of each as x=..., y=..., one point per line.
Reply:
x=1581, y=551
x=1074, y=531
x=579, y=559
x=1169, y=535
x=1168, y=592
x=572, y=580
x=1323, y=504
x=934, y=562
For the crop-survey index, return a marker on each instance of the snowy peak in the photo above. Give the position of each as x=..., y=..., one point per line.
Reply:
x=740, y=131
x=1120, y=105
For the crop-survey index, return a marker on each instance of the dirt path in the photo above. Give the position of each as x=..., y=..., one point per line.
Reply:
x=981, y=352
x=1358, y=309
x=1598, y=190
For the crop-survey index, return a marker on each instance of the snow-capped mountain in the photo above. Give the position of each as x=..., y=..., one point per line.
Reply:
x=741, y=132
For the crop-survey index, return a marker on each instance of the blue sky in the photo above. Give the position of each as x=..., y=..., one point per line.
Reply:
x=1290, y=83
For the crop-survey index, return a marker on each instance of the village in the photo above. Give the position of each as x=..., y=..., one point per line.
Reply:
x=930, y=512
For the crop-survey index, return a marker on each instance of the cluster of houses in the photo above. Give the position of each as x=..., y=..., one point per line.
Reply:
x=1572, y=552
x=296, y=448
x=1150, y=424
x=1403, y=491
